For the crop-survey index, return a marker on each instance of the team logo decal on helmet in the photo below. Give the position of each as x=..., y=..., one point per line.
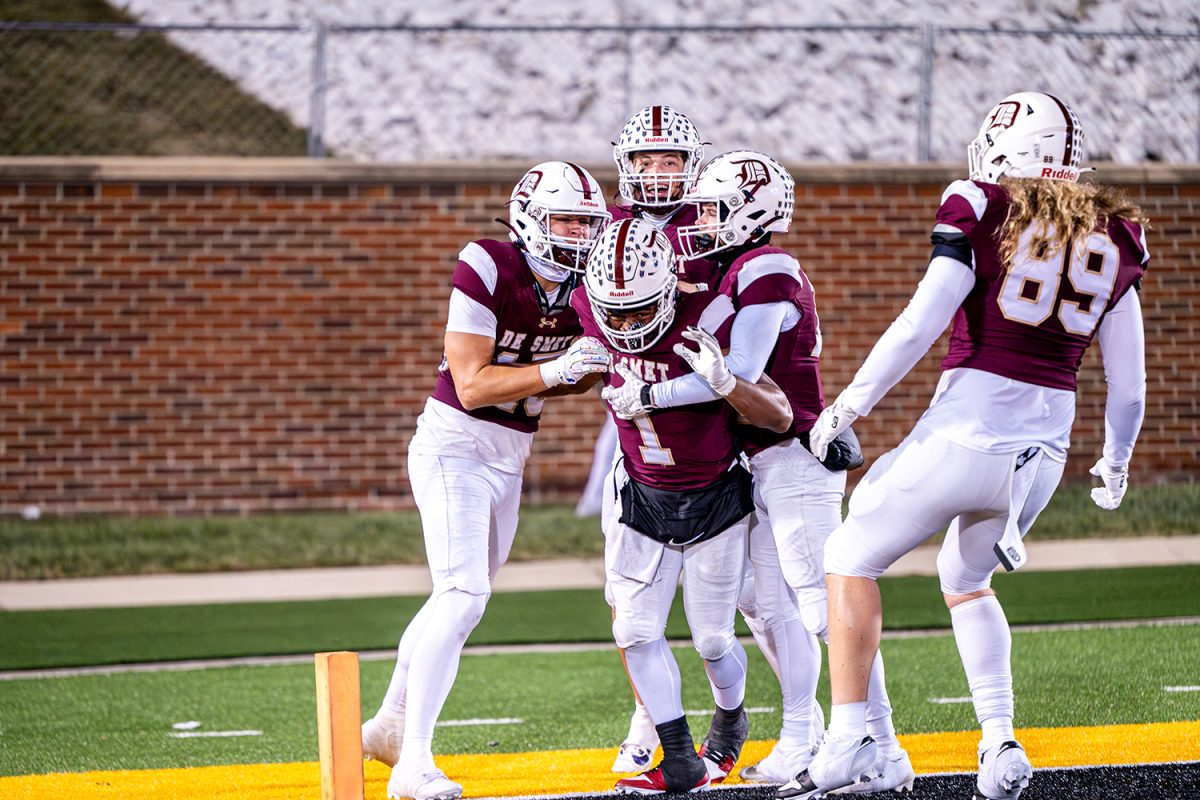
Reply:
x=740, y=197
x=630, y=284
x=556, y=189
x=754, y=175
x=1027, y=135
x=1003, y=115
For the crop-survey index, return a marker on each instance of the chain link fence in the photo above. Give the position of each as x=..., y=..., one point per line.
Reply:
x=805, y=94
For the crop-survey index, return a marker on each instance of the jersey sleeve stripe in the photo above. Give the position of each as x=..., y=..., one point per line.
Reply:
x=478, y=259
x=470, y=316
x=769, y=264
x=716, y=314
x=970, y=192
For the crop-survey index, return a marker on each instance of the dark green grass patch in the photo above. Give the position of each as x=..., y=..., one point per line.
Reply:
x=89, y=545
x=567, y=700
x=104, y=636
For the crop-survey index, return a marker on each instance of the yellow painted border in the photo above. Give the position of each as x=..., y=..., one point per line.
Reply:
x=572, y=771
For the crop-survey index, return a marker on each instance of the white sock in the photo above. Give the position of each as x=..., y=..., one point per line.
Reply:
x=848, y=719
x=764, y=638
x=985, y=646
x=655, y=674
x=393, y=698
x=641, y=727
x=799, y=671
x=879, y=710
x=433, y=669
x=727, y=675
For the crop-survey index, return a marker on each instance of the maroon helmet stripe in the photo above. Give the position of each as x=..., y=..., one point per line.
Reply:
x=1070, y=146
x=656, y=121
x=619, y=260
x=583, y=179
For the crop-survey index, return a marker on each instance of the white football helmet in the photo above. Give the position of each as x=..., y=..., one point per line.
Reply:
x=631, y=270
x=549, y=189
x=1027, y=135
x=657, y=129
x=754, y=196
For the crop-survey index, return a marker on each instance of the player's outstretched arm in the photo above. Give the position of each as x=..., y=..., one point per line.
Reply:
x=479, y=382
x=1123, y=349
x=946, y=284
x=762, y=404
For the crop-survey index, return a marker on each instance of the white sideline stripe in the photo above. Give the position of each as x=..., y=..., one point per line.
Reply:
x=1181, y=688
x=462, y=723
x=704, y=712
x=211, y=734
x=942, y=701
x=503, y=649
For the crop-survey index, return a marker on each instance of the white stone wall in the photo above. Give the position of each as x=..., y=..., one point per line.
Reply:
x=830, y=95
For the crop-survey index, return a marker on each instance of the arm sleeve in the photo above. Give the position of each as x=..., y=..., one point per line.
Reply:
x=753, y=328
x=469, y=316
x=946, y=284
x=1123, y=349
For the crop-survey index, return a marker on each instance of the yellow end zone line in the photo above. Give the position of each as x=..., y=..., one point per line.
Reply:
x=574, y=771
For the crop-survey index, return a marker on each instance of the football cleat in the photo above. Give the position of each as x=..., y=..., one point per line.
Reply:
x=382, y=736
x=723, y=745
x=1004, y=771
x=427, y=784
x=682, y=773
x=633, y=757
x=896, y=775
x=780, y=765
x=840, y=761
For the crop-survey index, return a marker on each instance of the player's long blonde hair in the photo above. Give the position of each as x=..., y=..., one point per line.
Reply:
x=1062, y=212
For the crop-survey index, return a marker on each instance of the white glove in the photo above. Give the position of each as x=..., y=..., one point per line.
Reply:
x=1116, y=481
x=833, y=420
x=586, y=355
x=708, y=362
x=626, y=399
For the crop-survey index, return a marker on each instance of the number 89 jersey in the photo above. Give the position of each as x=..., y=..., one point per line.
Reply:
x=1033, y=322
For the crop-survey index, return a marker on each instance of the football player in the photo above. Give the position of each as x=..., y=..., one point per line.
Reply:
x=511, y=337
x=658, y=154
x=1028, y=266
x=742, y=198
x=683, y=495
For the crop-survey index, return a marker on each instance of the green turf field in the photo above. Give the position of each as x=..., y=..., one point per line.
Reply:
x=574, y=699
x=105, y=636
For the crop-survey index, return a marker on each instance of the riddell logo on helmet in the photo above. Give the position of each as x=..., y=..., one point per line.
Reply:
x=1062, y=173
x=657, y=139
x=620, y=293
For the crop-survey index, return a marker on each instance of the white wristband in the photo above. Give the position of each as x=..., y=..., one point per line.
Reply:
x=551, y=374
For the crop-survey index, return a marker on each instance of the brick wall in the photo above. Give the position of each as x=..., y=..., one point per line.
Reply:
x=238, y=335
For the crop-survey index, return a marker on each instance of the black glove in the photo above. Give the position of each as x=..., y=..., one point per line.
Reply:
x=843, y=454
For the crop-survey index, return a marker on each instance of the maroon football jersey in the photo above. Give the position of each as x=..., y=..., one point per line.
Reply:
x=696, y=270
x=1033, y=321
x=769, y=275
x=681, y=448
x=495, y=275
